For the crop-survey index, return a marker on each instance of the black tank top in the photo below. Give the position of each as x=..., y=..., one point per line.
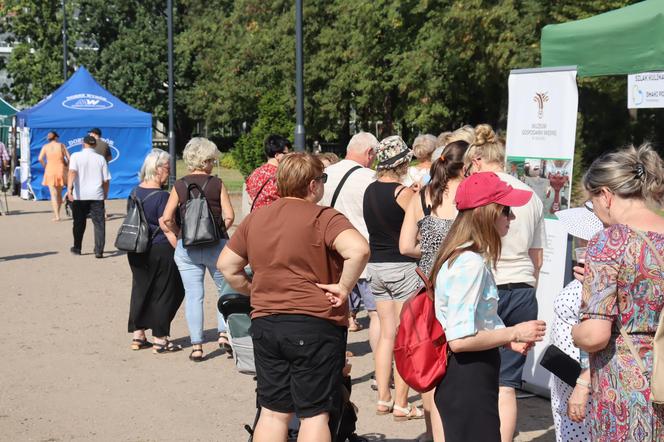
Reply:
x=384, y=216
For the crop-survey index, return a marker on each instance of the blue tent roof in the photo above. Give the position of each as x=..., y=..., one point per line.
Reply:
x=82, y=102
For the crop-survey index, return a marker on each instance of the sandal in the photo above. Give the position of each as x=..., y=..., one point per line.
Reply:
x=408, y=413
x=224, y=343
x=166, y=347
x=387, y=404
x=196, y=358
x=140, y=344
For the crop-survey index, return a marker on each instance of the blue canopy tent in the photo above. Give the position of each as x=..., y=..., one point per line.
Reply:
x=72, y=110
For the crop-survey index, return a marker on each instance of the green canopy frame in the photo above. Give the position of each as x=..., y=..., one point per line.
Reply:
x=629, y=40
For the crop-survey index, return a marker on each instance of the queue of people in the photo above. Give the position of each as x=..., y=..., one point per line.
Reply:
x=325, y=236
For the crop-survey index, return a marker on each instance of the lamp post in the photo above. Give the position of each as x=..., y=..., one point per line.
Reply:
x=171, y=135
x=299, y=85
x=64, y=41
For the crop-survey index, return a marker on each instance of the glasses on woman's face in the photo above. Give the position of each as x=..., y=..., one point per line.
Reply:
x=507, y=211
x=589, y=205
x=322, y=178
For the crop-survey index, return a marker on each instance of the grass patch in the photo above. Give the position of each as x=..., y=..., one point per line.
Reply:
x=232, y=178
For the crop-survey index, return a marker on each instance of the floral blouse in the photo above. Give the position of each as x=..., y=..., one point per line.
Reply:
x=263, y=175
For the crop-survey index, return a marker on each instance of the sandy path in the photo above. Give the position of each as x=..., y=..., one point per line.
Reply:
x=67, y=372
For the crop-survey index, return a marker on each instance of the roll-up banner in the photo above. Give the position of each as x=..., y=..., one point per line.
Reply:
x=541, y=131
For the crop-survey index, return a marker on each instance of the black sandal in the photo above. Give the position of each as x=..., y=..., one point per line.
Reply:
x=140, y=344
x=196, y=358
x=168, y=347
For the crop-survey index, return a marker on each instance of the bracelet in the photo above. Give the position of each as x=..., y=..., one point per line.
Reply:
x=583, y=383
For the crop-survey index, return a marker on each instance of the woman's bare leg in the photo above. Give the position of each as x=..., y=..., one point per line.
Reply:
x=56, y=201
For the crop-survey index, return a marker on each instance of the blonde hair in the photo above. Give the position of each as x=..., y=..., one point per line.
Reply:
x=423, y=146
x=476, y=226
x=628, y=173
x=197, y=152
x=155, y=158
x=487, y=145
x=442, y=138
x=464, y=133
x=397, y=172
x=330, y=157
x=295, y=172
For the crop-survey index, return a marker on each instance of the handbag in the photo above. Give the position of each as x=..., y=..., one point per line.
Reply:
x=560, y=364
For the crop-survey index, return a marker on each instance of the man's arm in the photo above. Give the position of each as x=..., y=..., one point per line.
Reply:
x=71, y=177
x=537, y=257
x=105, y=187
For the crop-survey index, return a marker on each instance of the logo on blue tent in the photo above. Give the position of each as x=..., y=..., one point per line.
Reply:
x=87, y=102
x=76, y=145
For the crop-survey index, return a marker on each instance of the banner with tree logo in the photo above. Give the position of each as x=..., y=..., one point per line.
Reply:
x=541, y=131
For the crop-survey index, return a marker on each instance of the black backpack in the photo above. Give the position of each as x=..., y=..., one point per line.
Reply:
x=198, y=225
x=134, y=233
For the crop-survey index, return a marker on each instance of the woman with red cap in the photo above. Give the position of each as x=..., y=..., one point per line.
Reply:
x=466, y=303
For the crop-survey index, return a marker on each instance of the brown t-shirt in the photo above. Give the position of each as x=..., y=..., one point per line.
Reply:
x=212, y=195
x=102, y=149
x=289, y=247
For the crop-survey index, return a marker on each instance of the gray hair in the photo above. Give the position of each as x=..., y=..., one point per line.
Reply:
x=155, y=159
x=361, y=141
x=423, y=146
x=197, y=152
x=629, y=173
x=464, y=133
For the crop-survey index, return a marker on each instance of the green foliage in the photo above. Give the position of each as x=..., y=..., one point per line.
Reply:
x=274, y=117
x=227, y=161
x=386, y=66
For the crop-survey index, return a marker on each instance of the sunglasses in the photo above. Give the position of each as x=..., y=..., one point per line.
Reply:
x=589, y=205
x=507, y=211
x=322, y=178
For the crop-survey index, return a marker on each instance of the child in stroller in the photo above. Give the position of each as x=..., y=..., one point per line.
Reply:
x=236, y=310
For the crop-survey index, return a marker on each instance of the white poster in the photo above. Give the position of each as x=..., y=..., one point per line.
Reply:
x=541, y=132
x=645, y=90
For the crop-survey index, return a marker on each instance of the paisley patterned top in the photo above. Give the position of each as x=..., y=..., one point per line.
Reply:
x=623, y=283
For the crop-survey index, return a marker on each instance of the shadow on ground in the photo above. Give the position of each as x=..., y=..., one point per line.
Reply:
x=26, y=256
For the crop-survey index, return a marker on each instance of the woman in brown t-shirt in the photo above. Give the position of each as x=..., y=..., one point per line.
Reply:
x=199, y=157
x=306, y=259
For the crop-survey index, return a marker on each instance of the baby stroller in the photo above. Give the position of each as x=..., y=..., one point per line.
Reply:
x=236, y=309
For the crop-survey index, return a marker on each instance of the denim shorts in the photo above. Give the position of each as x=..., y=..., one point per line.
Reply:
x=393, y=281
x=361, y=294
x=514, y=306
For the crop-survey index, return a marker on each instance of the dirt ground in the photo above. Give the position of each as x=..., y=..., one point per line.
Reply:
x=67, y=372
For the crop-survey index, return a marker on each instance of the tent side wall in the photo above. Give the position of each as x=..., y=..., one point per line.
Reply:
x=129, y=147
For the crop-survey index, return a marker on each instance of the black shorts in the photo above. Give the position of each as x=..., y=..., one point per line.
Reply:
x=299, y=362
x=514, y=306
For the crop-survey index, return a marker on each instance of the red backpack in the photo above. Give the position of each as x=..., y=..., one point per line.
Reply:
x=420, y=348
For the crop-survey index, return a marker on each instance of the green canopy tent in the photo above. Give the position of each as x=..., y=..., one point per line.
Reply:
x=629, y=40
x=7, y=111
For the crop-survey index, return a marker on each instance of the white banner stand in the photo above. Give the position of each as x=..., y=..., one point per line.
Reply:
x=541, y=133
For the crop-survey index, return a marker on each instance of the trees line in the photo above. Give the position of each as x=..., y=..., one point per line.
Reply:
x=388, y=65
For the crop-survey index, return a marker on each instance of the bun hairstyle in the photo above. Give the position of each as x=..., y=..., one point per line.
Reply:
x=486, y=145
x=52, y=135
x=629, y=173
x=448, y=166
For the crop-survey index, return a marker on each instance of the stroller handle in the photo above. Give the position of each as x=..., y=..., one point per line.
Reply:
x=232, y=303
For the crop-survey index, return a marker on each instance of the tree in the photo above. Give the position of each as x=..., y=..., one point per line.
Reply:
x=35, y=65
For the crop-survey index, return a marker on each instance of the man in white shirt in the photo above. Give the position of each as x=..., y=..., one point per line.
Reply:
x=349, y=201
x=87, y=188
x=516, y=273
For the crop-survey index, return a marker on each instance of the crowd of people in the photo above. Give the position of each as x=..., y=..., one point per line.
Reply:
x=326, y=236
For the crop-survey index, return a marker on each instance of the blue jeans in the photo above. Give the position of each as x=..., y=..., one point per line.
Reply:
x=192, y=262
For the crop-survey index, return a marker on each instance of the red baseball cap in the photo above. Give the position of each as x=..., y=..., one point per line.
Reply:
x=484, y=188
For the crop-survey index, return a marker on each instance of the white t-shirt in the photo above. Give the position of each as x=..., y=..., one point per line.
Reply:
x=91, y=173
x=415, y=175
x=351, y=198
x=526, y=232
